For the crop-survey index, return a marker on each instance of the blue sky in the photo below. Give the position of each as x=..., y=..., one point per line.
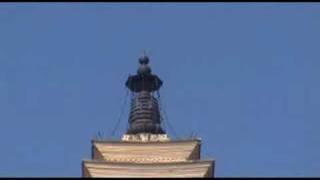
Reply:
x=242, y=76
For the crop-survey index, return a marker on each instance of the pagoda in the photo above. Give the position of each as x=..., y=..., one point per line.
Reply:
x=146, y=150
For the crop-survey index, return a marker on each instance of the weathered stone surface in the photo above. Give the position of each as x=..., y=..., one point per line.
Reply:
x=194, y=168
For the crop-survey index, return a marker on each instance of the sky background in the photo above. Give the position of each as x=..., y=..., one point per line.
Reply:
x=242, y=76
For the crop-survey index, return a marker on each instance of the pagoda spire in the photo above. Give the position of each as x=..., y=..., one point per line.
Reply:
x=144, y=111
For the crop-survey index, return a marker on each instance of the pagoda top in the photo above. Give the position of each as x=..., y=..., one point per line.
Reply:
x=144, y=80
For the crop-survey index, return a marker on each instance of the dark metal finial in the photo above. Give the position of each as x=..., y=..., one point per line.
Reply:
x=144, y=59
x=144, y=114
x=144, y=80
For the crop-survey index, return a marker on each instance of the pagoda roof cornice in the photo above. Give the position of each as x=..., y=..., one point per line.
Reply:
x=149, y=142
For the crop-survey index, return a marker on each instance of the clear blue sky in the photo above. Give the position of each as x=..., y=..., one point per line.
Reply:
x=242, y=76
